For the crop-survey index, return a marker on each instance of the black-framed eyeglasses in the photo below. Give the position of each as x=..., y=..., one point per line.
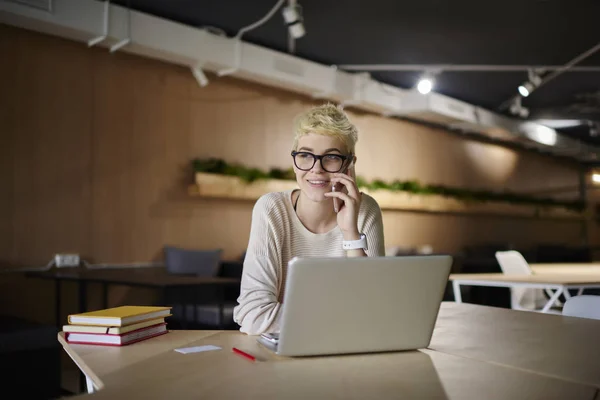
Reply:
x=305, y=161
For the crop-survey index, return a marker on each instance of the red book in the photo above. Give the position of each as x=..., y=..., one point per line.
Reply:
x=116, y=340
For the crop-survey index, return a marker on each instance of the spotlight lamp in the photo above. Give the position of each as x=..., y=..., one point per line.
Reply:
x=525, y=89
x=426, y=83
x=292, y=16
x=199, y=75
x=534, y=80
x=593, y=129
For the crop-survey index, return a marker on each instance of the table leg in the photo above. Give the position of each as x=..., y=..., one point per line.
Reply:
x=89, y=384
x=554, y=297
x=221, y=305
x=57, y=304
x=82, y=308
x=82, y=382
x=162, y=296
x=184, y=306
x=196, y=302
x=580, y=292
x=82, y=296
x=456, y=289
x=104, y=295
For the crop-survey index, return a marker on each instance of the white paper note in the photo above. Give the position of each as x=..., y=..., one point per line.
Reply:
x=197, y=349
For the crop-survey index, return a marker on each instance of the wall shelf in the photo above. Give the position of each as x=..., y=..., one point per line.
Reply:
x=231, y=187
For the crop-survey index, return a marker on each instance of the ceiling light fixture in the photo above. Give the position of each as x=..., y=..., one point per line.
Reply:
x=561, y=123
x=593, y=129
x=126, y=41
x=199, y=75
x=427, y=82
x=534, y=80
x=596, y=178
x=94, y=41
x=425, y=85
x=516, y=108
x=525, y=89
x=292, y=15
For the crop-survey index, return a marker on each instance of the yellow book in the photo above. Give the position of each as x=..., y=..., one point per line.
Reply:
x=119, y=316
x=114, y=330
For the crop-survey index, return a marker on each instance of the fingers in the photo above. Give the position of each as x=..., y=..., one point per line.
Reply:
x=342, y=175
x=344, y=197
x=348, y=183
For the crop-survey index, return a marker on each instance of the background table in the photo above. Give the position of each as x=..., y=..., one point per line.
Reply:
x=559, y=282
x=150, y=277
x=566, y=268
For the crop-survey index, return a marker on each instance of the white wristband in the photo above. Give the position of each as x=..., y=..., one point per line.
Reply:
x=356, y=244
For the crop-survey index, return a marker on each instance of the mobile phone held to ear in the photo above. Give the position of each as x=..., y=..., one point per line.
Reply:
x=335, y=200
x=349, y=168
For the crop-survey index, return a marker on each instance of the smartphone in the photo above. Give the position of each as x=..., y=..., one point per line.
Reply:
x=350, y=170
x=335, y=200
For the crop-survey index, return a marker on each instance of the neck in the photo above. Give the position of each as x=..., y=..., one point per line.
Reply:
x=317, y=217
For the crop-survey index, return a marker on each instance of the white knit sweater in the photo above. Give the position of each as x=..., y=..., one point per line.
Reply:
x=277, y=236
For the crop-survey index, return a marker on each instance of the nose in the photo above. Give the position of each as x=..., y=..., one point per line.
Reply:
x=317, y=167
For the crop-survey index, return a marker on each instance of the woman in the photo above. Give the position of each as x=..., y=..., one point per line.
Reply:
x=304, y=222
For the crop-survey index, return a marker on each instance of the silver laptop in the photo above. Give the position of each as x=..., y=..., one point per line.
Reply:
x=359, y=305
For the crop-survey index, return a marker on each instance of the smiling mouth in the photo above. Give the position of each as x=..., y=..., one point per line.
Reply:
x=318, y=183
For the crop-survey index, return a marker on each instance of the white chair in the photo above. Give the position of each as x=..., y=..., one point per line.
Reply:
x=586, y=306
x=513, y=263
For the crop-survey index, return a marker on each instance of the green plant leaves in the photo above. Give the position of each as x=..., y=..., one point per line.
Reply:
x=218, y=166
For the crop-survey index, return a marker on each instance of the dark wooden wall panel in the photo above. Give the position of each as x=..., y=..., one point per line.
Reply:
x=96, y=151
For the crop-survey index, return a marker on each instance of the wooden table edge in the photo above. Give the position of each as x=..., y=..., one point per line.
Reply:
x=87, y=370
x=527, y=279
x=83, y=367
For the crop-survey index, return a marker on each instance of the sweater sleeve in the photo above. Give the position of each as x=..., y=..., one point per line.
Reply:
x=372, y=227
x=258, y=310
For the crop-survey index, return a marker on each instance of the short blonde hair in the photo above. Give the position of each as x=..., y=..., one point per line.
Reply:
x=328, y=120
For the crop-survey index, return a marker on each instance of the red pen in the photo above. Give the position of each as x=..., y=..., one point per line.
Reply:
x=244, y=354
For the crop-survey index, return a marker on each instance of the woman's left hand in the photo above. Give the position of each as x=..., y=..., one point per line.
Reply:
x=349, y=204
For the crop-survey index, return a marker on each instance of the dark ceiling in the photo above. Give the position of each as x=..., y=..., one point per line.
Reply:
x=509, y=32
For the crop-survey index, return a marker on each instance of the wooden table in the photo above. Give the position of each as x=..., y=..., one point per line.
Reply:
x=566, y=268
x=559, y=282
x=98, y=361
x=150, y=277
x=151, y=369
x=547, y=344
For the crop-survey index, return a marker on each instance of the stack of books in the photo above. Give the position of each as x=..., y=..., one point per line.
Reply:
x=118, y=326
